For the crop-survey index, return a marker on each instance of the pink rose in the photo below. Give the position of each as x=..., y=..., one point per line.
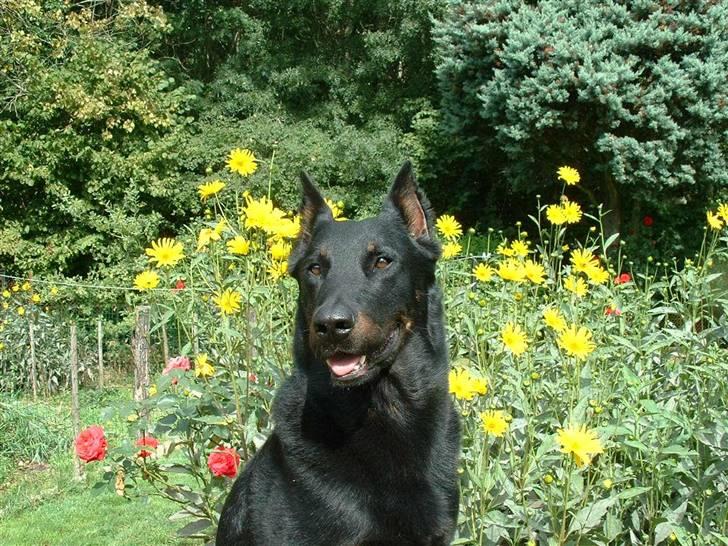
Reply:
x=91, y=444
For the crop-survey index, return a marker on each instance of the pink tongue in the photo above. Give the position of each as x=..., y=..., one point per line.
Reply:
x=342, y=364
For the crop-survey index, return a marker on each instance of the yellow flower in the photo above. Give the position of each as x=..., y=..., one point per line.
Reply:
x=459, y=384
x=26, y=286
x=449, y=227
x=464, y=386
x=555, y=214
x=582, y=443
x=261, y=214
x=6, y=293
x=520, y=248
x=569, y=175
x=35, y=298
x=54, y=291
x=478, y=385
x=554, y=319
x=21, y=311
x=504, y=249
x=152, y=390
x=287, y=228
x=2, y=346
x=337, y=209
x=238, y=245
x=280, y=250
x=514, y=338
x=205, y=236
x=242, y=161
x=146, y=280
x=534, y=272
x=714, y=221
x=165, y=251
x=228, y=301
x=483, y=272
x=451, y=249
x=576, y=285
x=208, y=189
x=572, y=212
x=723, y=211
x=203, y=368
x=512, y=270
x=582, y=259
x=278, y=270
x=494, y=422
x=576, y=342
x=597, y=275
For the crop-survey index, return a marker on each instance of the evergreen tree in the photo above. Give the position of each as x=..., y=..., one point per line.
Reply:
x=633, y=94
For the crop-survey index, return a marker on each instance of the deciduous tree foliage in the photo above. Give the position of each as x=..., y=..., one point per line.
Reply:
x=91, y=132
x=631, y=93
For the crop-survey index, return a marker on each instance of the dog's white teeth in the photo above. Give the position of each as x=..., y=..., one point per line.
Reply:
x=362, y=359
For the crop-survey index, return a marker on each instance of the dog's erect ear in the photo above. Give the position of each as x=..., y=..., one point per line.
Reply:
x=410, y=201
x=313, y=211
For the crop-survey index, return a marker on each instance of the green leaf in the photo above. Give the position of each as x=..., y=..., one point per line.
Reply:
x=195, y=528
x=632, y=492
x=590, y=516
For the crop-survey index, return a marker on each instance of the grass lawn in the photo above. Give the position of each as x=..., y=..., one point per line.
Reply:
x=42, y=504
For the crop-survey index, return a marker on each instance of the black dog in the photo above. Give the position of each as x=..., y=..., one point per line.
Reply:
x=366, y=439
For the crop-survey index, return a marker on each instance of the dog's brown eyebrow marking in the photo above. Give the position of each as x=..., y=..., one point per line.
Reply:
x=371, y=247
x=323, y=252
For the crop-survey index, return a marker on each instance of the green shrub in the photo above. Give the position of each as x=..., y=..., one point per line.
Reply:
x=90, y=133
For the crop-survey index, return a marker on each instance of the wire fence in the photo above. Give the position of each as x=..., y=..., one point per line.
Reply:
x=36, y=319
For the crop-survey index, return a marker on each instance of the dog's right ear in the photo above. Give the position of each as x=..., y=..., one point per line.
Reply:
x=313, y=212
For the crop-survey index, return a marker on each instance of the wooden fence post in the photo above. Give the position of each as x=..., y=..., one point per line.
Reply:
x=100, y=346
x=33, y=369
x=165, y=343
x=75, y=407
x=140, y=350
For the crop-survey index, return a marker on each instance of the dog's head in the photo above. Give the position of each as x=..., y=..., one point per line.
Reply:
x=363, y=284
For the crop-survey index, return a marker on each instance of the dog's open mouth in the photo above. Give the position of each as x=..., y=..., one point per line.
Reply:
x=347, y=366
x=344, y=365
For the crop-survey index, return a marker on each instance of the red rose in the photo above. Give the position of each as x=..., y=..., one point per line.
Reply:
x=180, y=285
x=146, y=441
x=647, y=221
x=252, y=377
x=224, y=461
x=177, y=363
x=623, y=278
x=91, y=444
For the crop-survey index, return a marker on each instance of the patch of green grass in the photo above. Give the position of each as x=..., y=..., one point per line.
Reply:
x=40, y=501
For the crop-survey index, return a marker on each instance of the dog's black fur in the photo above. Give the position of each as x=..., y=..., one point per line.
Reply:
x=361, y=454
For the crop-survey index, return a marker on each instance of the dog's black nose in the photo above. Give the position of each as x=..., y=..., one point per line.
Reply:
x=333, y=323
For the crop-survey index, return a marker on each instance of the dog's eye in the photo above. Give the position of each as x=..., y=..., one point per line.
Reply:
x=315, y=269
x=382, y=262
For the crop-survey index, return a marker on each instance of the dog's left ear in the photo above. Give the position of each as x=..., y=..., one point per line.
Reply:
x=410, y=202
x=414, y=209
